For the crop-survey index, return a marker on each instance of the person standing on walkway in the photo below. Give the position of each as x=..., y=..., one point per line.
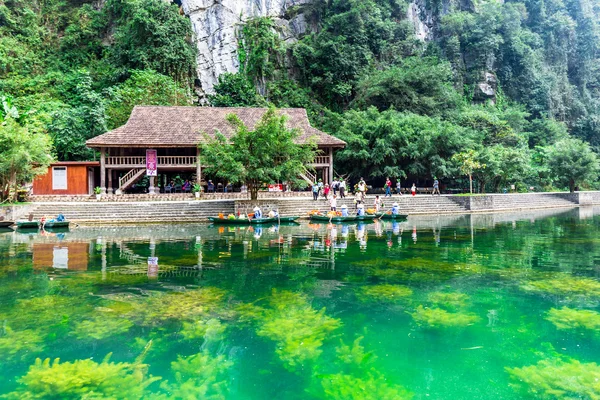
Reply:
x=342, y=188
x=388, y=187
x=315, y=191
x=413, y=189
x=326, y=190
x=436, y=186
x=399, y=187
x=335, y=185
x=320, y=186
x=362, y=185
x=333, y=203
x=377, y=204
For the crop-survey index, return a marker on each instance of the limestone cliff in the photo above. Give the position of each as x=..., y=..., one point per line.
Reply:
x=215, y=23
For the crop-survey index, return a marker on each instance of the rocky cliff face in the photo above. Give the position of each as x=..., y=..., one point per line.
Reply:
x=216, y=22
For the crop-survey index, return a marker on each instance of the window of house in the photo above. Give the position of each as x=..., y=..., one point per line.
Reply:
x=59, y=178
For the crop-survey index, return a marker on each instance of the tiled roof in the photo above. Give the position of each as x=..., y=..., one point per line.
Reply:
x=160, y=126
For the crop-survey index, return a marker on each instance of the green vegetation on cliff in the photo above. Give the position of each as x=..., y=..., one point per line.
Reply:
x=516, y=83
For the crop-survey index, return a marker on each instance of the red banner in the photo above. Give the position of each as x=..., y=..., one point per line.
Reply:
x=151, y=162
x=276, y=188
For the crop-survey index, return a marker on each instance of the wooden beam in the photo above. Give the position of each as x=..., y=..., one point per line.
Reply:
x=198, y=167
x=330, y=165
x=103, y=169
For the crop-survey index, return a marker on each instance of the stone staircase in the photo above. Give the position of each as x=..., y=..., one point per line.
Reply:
x=530, y=201
x=142, y=212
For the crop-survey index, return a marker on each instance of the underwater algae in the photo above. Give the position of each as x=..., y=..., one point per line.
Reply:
x=199, y=376
x=297, y=329
x=448, y=301
x=569, y=318
x=439, y=318
x=556, y=378
x=383, y=293
x=83, y=379
x=564, y=284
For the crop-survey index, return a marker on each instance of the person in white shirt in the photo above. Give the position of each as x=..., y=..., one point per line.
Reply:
x=333, y=203
x=342, y=188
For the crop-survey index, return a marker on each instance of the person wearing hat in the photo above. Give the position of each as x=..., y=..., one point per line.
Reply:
x=257, y=212
x=395, y=209
x=360, y=210
x=344, y=210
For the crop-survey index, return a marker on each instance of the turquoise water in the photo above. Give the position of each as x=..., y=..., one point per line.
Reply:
x=432, y=308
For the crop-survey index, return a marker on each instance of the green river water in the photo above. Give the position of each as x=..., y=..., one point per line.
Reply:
x=500, y=306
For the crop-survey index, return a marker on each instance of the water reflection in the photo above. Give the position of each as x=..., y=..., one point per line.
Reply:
x=431, y=307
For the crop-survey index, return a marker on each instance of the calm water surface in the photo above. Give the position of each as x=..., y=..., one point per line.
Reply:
x=432, y=308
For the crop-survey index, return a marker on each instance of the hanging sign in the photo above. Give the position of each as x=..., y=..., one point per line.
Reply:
x=153, y=267
x=151, y=162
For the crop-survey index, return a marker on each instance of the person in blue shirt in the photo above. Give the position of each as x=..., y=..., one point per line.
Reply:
x=395, y=209
x=360, y=211
x=344, y=210
x=257, y=212
x=315, y=191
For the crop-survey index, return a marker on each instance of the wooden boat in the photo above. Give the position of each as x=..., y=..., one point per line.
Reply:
x=252, y=221
x=397, y=217
x=5, y=224
x=354, y=218
x=25, y=224
x=56, y=224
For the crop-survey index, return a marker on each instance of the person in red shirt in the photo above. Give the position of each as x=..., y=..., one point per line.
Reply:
x=388, y=187
x=326, y=191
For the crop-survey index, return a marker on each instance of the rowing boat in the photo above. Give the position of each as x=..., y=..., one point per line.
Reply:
x=397, y=217
x=251, y=221
x=354, y=218
x=25, y=224
x=56, y=224
x=5, y=224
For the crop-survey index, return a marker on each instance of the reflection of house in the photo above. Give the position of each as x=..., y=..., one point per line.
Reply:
x=67, y=178
x=174, y=132
x=67, y=255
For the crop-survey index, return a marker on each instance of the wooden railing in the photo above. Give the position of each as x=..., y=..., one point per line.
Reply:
x=141, y=160
x=321, y=160
x=176, y=160
x=126, y=160
x=128, y=176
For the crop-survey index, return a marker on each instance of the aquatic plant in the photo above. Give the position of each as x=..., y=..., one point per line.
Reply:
x=557, y=379
x=355, y=356
x=568, y=318
x=296, y=327
x=383, y=293
x=563, y=284
x=83, y=379
x=370, y=387
x=211, y=330
x=101, y=327
x=199, y=377
x=438, y=318
x=19, y=344
x=449, y=301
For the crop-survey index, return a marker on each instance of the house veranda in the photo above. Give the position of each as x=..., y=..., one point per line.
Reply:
x=174, y=132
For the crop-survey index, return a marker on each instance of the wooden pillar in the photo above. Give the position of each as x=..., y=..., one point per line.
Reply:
x=198, y=167
x=103, y=169
x=330, y=165
x=109, y=189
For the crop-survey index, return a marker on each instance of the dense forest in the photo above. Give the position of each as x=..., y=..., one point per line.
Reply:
x=506, y=91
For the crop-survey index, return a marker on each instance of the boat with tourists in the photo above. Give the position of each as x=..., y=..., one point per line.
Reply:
x=251, y=221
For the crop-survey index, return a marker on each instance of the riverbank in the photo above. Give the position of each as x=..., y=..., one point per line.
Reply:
x=189, y=210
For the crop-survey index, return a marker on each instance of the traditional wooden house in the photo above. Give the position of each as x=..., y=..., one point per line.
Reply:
x=172, y=135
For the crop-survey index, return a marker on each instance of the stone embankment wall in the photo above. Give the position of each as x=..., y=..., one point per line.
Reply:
x=189, y=210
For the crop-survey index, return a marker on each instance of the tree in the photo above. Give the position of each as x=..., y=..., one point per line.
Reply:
x=147, y=88
x=267, y=154
x=573, y=162
x=23, y=155
x=467, y=164
x=234, y=90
